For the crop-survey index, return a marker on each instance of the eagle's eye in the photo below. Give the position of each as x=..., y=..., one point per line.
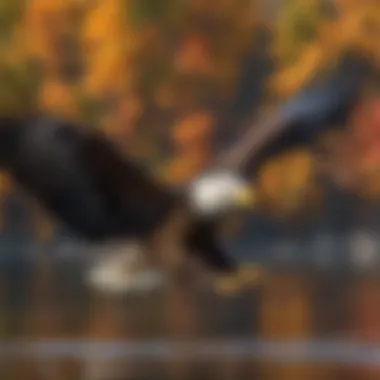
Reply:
x=218, y=192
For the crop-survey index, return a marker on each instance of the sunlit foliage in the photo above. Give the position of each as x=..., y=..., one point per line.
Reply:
x=156, y=76
x=287, y=182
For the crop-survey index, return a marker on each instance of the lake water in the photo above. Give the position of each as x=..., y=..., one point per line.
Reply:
x=297, y=325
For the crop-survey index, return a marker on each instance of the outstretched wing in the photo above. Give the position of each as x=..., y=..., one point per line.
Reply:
x=309, y=113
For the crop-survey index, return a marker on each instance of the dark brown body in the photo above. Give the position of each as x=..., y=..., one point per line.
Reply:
x=80, y=178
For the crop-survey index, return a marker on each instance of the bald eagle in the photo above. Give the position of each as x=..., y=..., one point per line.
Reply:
x=325, y=102
x=78, y=176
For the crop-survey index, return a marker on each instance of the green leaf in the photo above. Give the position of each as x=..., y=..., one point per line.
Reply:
x=10, y=13
x=19, y=86
x=89, y=108
x=140, y=12
x=298, y=25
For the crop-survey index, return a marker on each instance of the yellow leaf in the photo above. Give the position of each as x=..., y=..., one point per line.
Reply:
x=107, y=71
x=101, y=21
x=291, y=79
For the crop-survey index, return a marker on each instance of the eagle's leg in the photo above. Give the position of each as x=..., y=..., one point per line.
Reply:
x=167, y=251
x=203, y=242
x=228, y=277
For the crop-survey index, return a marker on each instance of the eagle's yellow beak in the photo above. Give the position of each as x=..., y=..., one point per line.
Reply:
x=245, y=197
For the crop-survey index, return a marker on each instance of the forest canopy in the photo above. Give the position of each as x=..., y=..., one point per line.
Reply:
x=157, y=77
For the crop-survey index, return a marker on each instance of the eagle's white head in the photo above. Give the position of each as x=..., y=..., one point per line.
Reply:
x=219, y=192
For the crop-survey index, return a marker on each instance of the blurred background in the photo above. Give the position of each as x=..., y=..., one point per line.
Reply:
x=172, y=82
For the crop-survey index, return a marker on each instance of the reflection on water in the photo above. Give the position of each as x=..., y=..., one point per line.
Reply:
x=293, y=326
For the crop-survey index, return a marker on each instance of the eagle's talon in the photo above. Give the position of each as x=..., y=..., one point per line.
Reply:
x=244, y=277
x=227, y=285
x=249, y=275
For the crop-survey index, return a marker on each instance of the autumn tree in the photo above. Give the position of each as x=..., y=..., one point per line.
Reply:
x=18, y=78
x=51, y=35
x=309, y=36
x=288, y=183
x=156, y=76
x=363, y=158
x=198, y=70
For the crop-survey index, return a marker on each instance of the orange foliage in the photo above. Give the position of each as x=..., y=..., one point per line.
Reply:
x=57, y=97
x=306, y=38
x=165, y=96
x=193, y=57
x=101, y=22
x=111, y=45
x=364, y=132
x=285, y=182
x=297, y=46
x=365, y=124
x=192, y=130
x=191, y=137
x=130, y=109
x=103, y=69
x=120, y=124
x=108, y=44
x=358, y=25
x=44, y=21
x=200, y=6
x=290, y=79
x=185, y=167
